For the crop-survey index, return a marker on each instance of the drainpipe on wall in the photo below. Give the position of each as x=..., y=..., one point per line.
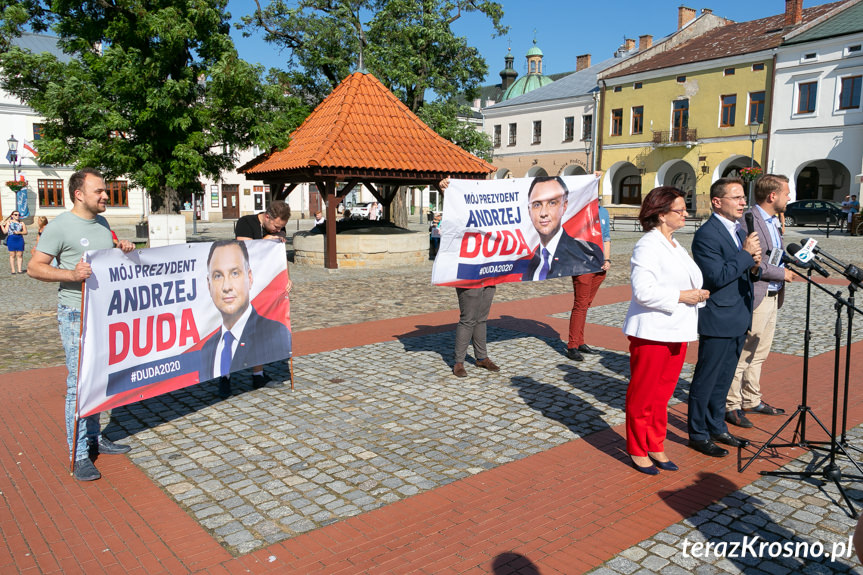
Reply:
x=600, y=117
x=765, y=149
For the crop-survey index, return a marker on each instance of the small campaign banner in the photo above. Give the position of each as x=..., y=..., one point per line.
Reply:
x=523, y=229
x=160, y=319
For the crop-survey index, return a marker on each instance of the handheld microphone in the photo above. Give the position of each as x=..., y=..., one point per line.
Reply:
x=794, y=249
x=750, y=222
x=851, y=271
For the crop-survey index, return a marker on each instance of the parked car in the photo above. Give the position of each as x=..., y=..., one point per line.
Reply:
x=813, y=212
x=361, y=211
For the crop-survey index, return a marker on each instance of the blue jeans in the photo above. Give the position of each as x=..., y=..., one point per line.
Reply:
x=69, y=320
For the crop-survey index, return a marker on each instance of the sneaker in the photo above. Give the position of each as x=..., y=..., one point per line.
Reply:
x=85, y=470
x=107, y=447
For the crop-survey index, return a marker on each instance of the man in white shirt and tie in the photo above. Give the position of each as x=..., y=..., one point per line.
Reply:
x=744, y=395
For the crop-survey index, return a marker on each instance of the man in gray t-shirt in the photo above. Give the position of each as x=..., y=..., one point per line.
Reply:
x=66, y=239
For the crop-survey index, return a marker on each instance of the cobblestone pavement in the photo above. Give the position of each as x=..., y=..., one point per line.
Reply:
x=771, y=511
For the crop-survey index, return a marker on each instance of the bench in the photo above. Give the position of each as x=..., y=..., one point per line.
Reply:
x=693, y=222
x=636, y=225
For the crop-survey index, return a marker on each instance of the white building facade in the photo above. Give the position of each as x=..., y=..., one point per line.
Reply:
x=817, y=114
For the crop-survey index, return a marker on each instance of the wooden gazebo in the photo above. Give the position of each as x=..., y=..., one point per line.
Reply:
x=362, y=134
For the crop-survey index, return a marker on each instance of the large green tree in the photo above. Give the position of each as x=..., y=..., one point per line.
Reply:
x=409, y=45
x=152, y=90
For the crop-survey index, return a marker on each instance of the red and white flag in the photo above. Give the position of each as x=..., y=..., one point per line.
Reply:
x=28, y=145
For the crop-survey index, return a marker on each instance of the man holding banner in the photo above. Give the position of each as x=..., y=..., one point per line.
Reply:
x=67, y=238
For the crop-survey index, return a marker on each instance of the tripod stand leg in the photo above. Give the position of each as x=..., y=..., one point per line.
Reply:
x=801, y=410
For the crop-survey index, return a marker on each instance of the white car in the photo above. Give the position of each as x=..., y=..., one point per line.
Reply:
x=360, y=211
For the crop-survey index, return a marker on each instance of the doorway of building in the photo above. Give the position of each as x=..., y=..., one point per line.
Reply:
x=230, y=201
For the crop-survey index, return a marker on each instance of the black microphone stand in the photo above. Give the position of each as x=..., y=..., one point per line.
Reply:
x=831, y=472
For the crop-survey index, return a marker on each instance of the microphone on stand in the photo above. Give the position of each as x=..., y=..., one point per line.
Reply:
x=850, y=271
x=793, y=250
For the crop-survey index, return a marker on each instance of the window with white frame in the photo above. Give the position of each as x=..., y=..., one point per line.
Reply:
x=568, y=128
x=497, y=133
x=537, y=131
x=807, y=97
x=512, y=134
x=849, y=92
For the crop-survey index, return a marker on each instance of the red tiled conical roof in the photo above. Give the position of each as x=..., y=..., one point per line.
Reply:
x=362, y=125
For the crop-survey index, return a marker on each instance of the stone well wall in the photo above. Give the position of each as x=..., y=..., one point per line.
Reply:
x=365, y=247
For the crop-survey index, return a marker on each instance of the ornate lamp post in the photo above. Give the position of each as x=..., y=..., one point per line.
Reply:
x=753, y=135
x=13, y=155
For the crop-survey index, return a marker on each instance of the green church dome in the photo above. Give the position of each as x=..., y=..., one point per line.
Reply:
x=534, y=78
x=526, y=84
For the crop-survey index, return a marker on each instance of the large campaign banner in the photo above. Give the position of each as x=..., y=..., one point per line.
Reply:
x=160, y=319
x=523, y=229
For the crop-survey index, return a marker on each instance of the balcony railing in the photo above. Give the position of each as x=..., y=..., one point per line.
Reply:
x=676, y=136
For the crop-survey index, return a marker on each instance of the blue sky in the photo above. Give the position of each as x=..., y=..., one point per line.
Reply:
x=563, y=28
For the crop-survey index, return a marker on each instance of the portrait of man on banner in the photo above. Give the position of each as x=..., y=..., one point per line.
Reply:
x=558, y=253
x=245, y=338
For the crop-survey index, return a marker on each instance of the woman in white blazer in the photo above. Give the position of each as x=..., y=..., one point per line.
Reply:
x=662, y=319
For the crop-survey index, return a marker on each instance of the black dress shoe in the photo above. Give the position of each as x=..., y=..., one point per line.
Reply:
x=584, y=348
x=707, y=447
x=736, y=417
x=729, y=439
x=259, y=381
x=225, y=387
x=573, y=354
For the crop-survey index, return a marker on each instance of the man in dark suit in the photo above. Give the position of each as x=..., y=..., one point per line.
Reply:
x=558, y=254
x=245, y=339
x=728, y=258
x=744, y=396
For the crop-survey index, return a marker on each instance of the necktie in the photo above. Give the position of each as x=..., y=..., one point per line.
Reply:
x=543, y=271
x=225, y=359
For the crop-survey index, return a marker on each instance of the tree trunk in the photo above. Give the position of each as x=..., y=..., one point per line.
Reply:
x=399, y=208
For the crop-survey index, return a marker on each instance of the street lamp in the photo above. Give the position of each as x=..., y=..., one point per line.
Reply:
x=12, y=156
x=753, y=135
